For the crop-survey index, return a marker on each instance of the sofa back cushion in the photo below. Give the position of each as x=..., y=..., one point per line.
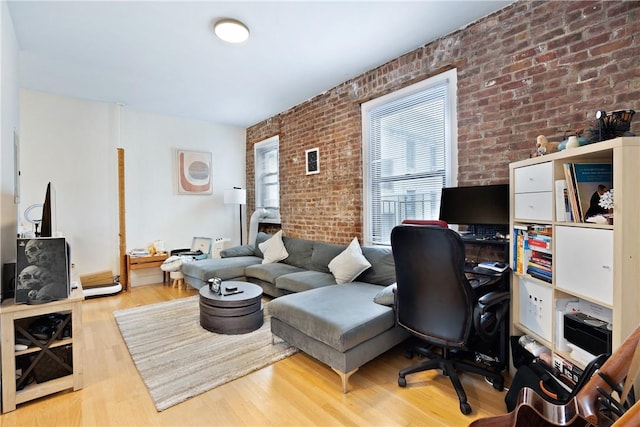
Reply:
x=314, y=255
x=383, y=268
x=299, y=252
x=322, y=255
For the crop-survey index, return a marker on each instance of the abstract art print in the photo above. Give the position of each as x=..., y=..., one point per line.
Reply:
x=194, y=172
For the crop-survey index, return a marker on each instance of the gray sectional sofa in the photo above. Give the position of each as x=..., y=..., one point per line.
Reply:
x=339, y=324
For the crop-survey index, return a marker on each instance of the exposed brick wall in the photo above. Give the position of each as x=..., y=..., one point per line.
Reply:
x=532, y=68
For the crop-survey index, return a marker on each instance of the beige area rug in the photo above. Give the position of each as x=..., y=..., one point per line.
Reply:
x=178, y=359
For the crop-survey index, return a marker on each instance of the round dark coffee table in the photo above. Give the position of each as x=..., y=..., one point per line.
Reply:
x=234, y=312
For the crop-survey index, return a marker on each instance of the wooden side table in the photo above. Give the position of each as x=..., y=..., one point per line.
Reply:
x=140, y=262
x=10, y=313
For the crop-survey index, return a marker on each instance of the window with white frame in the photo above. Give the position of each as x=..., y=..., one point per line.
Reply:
x=409, y=154
x=267, y=174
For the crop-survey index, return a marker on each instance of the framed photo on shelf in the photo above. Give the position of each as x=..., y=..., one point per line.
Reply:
x=312, y=160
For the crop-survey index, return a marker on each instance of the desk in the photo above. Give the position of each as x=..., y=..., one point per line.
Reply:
x=140, y=262
x=11, y=318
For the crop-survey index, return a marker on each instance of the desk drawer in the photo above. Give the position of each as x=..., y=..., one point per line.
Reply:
x=535, y=178
x=534, y=206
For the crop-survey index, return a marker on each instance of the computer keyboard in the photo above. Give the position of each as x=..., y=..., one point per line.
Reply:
x=475, y=237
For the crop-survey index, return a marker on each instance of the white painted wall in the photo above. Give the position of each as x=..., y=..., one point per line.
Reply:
x=72, y=143
x=8, y=124
x=154, y=209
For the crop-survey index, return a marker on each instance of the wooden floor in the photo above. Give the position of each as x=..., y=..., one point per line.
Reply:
x=297, y=391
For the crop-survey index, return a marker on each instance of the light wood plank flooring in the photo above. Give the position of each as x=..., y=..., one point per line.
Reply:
x=297, y=391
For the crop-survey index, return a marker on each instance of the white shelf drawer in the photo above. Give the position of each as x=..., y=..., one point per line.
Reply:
x=537, y=206
x=535, y=178
x=587, y=262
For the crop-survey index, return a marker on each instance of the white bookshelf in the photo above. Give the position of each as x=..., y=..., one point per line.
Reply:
x=596, y=263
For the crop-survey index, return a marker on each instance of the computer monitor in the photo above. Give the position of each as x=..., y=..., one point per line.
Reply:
x=483, y=205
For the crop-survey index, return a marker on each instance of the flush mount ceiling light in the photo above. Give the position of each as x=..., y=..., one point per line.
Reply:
x=231, y=30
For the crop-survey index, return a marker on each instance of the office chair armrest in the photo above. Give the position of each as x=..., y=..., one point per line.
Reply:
x=486, y=306
x=491, y=299
x=479, y=282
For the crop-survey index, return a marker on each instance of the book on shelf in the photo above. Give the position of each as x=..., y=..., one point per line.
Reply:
x=532, y=251
x=540, y=242
x=536, y=265
x=541, y=258
x=563, y=206
x=539, y=274
x=572, y=192
x=589, y=178
x=521, y=248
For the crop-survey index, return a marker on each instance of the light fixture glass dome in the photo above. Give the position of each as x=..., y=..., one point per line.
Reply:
x=231, y=30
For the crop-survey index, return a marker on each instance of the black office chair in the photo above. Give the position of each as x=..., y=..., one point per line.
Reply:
x=436, y=303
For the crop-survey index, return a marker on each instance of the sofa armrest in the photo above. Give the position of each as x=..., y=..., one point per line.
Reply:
x=244, y=250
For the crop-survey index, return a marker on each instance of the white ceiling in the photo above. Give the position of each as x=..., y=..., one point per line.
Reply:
x=162, y=56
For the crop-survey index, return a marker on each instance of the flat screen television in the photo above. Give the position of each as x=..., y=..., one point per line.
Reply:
x=48, y=225
x=484, y=205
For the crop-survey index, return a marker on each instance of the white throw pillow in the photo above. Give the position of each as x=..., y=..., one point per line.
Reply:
x=387, y=296
x=273, y=249
x=349, y=264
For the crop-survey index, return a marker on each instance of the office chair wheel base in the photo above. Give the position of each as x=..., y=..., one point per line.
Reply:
x=465, y=408
x=497, y=384
x=402, y=381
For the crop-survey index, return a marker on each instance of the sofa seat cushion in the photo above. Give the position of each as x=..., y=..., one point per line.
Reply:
x=304, y=280
x=270, y=272
x=224, y=268
x=341, y=316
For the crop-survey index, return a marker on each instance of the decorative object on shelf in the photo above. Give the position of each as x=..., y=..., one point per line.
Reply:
x=159, y=246
x=572, y=142
x=568, y=134
x=606, y=200
x=543, y=146
x=194, y=172
x=312, y=161
x=611, y=125
x=236, y=196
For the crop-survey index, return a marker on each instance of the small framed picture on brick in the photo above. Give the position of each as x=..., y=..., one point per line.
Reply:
x=313, y=160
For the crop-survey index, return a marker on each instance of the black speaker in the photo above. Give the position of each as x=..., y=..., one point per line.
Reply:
x=8, y=280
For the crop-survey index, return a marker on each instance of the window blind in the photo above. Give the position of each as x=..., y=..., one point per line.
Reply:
x=267, y=174
x=406, y=154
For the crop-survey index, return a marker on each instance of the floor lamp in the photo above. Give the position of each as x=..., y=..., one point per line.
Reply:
x=236, y=196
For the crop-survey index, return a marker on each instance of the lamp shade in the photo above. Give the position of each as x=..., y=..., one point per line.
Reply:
x=235, y=196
